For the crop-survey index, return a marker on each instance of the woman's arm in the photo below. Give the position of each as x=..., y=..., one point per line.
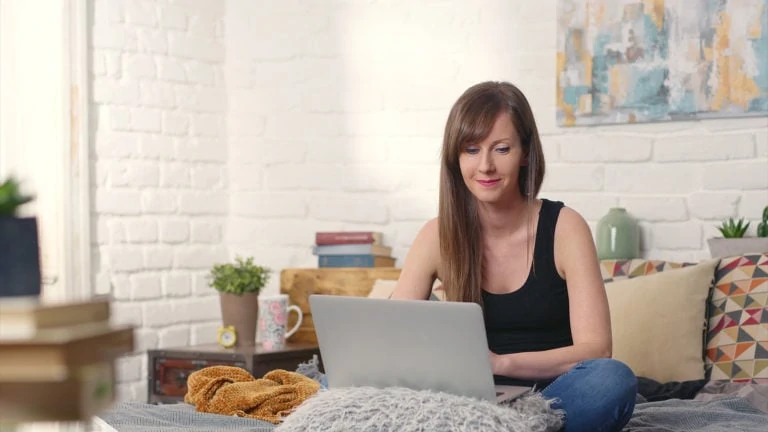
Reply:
x=419, y=270
x=576, y=260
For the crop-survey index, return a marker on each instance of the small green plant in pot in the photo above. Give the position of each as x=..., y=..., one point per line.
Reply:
x=20, y=258
x=735, y=240
x=239, y=285
x=733, y=229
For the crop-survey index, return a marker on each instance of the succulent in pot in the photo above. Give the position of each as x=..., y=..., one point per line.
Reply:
x=733, y=229
x=735, y=241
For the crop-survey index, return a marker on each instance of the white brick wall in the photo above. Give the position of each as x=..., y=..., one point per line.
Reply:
x=337, y=124
x=160, y=170
x=307, y=116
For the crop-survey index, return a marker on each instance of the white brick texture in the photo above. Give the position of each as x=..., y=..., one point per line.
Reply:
x=335, y=124
x=160, y=158
x=219, y=132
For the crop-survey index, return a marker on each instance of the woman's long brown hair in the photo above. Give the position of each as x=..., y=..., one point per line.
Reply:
x=470, y=120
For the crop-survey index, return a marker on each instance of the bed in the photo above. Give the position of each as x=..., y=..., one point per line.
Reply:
x=691, y=406
x=719, y=403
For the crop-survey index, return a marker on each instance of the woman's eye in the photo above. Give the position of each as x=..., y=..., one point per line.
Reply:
x=502, y=149
x=472, y=150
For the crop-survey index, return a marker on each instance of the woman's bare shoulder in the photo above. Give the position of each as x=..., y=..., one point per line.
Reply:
x=573, y=238
x=427, y=242
x=420, y=267
x=570, y=219
x=572, y=230
x=430, y=230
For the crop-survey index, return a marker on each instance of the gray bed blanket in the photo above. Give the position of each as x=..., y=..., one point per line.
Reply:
x=142, y=417
x=729, y=414
x=726, y=414
x=342, y=410
x=718, y=407
x=755, y=394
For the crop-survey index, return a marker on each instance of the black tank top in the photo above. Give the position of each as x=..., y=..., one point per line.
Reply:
x=536, y=316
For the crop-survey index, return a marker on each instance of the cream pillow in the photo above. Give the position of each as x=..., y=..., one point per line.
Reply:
x=658, y=322
x=382, y=288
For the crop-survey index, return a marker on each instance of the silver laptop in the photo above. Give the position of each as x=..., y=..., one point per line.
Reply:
x=417, y=344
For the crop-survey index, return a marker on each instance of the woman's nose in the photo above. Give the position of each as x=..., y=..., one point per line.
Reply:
x=486, y=162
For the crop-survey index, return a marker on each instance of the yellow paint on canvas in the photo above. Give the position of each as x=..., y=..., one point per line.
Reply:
x=585, y=103
x=617, y=83
x=560, y=70
x=743, y=87
x=596, y=10
x=719, y=45
x=584, y=53
x=570, y=118
x=587, y=70
x=734, y=86
x=655, y=9
x=756, y=25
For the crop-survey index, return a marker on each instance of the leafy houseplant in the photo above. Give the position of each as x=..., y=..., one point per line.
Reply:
x=239, y=285
x=735, y=242
x=20, y=254
x=11, y=198
x=239, y=278
x=731, y=229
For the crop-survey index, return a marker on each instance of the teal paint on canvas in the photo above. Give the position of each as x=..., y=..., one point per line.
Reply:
x=656, y=60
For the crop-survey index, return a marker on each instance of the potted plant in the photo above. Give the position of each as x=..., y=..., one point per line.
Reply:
x=762, y=227
x=20, y=254
x=734, y=242
x=239, y=285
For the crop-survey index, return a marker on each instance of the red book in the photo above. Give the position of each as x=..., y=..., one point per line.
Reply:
x=348, y=237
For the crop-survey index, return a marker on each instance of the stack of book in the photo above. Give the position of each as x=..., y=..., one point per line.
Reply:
x=352, y=249
x=57, y=361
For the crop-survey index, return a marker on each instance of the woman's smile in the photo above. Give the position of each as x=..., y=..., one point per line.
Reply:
x=488, y=183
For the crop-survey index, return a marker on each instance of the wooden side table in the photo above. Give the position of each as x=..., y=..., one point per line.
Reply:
x=169, y=368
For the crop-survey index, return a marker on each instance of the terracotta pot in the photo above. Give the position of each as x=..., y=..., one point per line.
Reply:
x=242, y=312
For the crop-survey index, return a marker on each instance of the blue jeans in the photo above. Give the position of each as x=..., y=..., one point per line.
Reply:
x=596, y=395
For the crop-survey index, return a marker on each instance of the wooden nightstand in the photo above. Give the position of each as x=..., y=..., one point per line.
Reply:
x=169, y=368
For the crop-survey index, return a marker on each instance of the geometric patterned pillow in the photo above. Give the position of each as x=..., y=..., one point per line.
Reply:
x=737, y=342
x=629, y=268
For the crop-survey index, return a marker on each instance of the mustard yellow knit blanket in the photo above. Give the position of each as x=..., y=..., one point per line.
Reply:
x=232, y=391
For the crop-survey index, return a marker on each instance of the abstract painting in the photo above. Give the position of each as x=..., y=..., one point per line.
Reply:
x=635, y=61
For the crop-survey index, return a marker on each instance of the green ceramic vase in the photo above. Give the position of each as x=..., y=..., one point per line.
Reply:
x=618, y=236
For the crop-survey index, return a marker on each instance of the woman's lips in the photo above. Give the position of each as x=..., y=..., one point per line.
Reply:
x=488, y=183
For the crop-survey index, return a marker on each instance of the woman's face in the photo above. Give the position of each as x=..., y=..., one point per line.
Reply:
x=490, y=168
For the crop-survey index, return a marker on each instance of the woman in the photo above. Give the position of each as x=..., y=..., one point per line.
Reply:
x=530, y=263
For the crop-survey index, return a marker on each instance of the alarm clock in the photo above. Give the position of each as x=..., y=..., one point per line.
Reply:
x=227, y=336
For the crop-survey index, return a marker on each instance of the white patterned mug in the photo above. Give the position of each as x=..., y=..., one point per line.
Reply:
x=273, y=321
